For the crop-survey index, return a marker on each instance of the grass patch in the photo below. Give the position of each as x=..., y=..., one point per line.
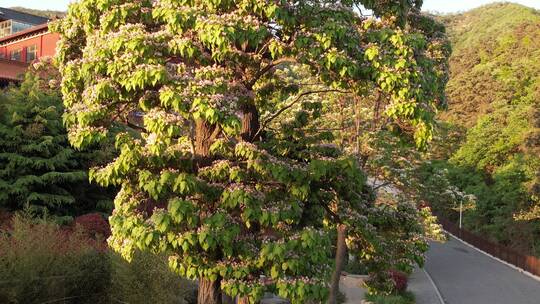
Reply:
x=402, y=298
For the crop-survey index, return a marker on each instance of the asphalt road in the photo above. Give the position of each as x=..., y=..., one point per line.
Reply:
x=467, y=276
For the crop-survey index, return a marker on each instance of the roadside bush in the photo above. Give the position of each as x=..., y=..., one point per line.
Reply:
x=387, y=282
x=402, y=298
x=379, y=283
x=39, y=262
x=400, y=280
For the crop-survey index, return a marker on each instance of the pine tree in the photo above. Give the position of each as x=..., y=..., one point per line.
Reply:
x=38, y=168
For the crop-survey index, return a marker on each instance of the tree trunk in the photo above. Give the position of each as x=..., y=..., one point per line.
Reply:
x=244, y=300
x=250, y=123
x=205, y=134
x=340, y=259
x=209, y=292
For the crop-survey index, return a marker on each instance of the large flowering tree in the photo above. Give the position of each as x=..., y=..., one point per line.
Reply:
x=238, y=197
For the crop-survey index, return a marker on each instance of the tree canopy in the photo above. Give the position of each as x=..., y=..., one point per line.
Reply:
x=238, y=194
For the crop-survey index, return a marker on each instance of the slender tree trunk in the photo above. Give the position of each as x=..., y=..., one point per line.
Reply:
x=250, y=128
x=340, y=259
x=357, y=125
x=209, y=292
x=250, y=122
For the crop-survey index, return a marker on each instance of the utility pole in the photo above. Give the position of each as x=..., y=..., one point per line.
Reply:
x=460, y=213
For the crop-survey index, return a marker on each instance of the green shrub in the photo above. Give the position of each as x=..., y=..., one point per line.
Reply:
x=402, y=298
x=43, y=262
x=356, y=267
x=40, y=262
x=148, y=279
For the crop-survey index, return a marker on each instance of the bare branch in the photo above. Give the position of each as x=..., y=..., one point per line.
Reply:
x=267, y=68
x=292, y=103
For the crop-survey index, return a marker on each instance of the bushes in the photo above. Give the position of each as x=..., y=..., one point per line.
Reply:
x=93, y=224
x=40, y=262
x=387, y=282
x=392, y=290
x=148, y=279
x=355, y=267
x=400, y=280
x=403, y=298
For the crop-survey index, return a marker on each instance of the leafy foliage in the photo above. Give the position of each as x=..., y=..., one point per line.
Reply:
x=214, y=180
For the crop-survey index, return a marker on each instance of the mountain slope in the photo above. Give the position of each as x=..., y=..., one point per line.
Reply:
x=494, y=100
x=42, y=13
x=496, y=59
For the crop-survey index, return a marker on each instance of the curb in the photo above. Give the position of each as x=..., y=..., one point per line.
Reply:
x=437, y=291
x=523, y=271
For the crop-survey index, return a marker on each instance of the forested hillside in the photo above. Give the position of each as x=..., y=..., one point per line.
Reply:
x=494, y=108
x=44, y=13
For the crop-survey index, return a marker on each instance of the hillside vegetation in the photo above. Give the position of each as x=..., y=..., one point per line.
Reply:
x=494, y=62
x=494, y=105
x=44, y=13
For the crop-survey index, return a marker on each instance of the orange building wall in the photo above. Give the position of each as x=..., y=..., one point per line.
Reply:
x=46, y=45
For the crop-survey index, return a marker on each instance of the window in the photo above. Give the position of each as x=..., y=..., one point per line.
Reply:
x=5, y=28
x=31, y=53
x=19, y=26
x=15, y=55
x=9, y=27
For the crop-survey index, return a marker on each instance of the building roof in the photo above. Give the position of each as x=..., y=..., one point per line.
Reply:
x=9, y=14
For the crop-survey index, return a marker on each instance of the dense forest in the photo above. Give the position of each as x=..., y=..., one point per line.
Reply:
x=490, y=139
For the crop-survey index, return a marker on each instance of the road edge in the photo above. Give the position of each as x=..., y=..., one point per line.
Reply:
x=437, y=291
x=523, y=271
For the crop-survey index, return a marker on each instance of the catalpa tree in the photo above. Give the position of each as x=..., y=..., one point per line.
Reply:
x=238, y=197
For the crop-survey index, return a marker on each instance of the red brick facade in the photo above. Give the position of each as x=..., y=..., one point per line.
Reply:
x=36, y=40
x=22, y=48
